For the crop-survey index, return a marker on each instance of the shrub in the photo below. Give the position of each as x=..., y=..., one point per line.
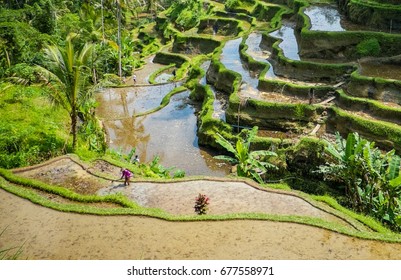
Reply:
x=201, y=204
x=232, y=4
x=370, y=47
x=23, y=71
x=372, y=179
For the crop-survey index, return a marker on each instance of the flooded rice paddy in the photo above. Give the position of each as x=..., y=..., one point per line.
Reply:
x=324, y=18
x=169, y=133
x=289, y=43
x=89, y=237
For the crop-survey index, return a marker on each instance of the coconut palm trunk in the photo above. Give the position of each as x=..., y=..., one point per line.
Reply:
x=119, y=38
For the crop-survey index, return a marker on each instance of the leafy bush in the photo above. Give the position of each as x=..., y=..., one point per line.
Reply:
x=372, y=178
x=23, y=71
x=186, y=13
x=370, y=47
x=232, y=4
x=250, y=164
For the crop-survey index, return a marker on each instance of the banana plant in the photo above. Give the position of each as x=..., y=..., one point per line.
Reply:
x=372, y=178
x=346, y=165
x=249, y=163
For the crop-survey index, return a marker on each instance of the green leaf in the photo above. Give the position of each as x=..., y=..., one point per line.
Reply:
x=360, y=146
x=350, y=145
x=251, y=134
x=263, y=154
x=395, y=182
x=227, y=158
x=242, y=151
x=225, y=144
x=393, y=169
x=367, y=156
x=334, y=152
x=256, y=176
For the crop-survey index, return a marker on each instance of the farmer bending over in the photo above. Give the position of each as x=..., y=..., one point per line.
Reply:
x=126, y=174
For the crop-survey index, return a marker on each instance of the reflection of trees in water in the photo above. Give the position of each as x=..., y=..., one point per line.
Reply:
x=112, y=101
x=330, y=14
x=125, y=101
x=129, y=132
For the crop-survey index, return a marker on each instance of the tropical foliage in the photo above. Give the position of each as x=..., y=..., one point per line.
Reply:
x=186, y=13
x=67, y=71
x=249, y=163
x=25, y=138
x=372, y=178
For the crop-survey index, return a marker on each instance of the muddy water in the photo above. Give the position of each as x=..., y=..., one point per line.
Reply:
x=385, y=71
x=48, y=234
x=169, y=133
x=118, y=103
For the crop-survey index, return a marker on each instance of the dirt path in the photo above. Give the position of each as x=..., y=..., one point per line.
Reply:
x=50, y=234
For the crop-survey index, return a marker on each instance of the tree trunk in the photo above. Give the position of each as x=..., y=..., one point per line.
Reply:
x=74, y=128
x=103, y=38
x=119, y=39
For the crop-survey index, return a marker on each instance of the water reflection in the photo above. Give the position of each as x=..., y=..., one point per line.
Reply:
x=220, y=99
x=253, y=42
x=328, y=18
x=170, y=133
x=230, y=58
x=324, y=18
x=289, y=43
x=127, y=102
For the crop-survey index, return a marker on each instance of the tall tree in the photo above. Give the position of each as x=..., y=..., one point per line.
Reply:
x=67, y=71
x=119, y=17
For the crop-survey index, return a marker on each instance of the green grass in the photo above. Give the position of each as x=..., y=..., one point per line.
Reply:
x=31, y=128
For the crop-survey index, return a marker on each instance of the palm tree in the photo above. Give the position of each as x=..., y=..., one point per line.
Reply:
x=68, y=74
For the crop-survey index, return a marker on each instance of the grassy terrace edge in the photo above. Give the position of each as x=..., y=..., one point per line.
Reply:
x=25, y=188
